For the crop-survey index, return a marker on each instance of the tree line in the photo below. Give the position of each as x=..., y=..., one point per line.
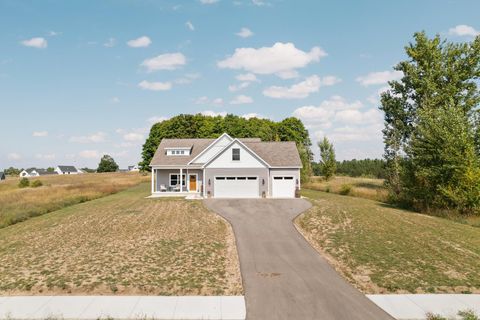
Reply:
x=368, y=168
x=201, y=126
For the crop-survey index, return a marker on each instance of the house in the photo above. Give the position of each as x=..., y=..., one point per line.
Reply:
x=133, y=168
x=43, y=172
x=33, y=172
x=66, y=170
x=2, y=176
x=226, y=168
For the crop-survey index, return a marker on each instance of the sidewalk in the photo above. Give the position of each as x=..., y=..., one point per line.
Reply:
x=416, y=306
x=123, y=307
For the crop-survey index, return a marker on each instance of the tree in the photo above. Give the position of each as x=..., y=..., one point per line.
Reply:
x=327, y=158
x=50, y=169
x=12, y=171
x=438, y=79
x=107, y=164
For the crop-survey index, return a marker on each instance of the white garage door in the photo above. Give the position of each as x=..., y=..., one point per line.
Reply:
x=236, y=187
x=283, y=187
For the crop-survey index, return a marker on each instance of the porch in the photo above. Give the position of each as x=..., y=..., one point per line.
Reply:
x=176, y=182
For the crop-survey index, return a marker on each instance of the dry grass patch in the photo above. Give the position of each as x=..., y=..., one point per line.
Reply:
x=121, y=244
x=381, y=249
x=58, y=191
x=368, y=188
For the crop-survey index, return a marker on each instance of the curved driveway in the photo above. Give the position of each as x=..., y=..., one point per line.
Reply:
x=283, y=276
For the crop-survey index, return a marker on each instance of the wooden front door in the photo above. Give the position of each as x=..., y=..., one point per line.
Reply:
x=192, y=180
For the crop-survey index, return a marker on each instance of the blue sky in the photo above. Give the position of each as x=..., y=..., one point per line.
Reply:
x=82, y=78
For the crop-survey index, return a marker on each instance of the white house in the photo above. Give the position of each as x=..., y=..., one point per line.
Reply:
x=29, y=173
x=66, y=170
x=134, y=168
x=226, y=168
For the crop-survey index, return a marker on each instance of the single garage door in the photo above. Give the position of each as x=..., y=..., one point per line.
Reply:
x=283, y=187
x=236, y=187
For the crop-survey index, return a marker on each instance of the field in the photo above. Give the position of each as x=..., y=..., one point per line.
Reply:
x=58, y=191
x=381, y=249
x=121, y=244
x=357, y=187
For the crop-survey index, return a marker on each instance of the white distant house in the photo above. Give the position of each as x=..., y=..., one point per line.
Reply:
x=35, y=173
x=134, y=168
x=67, y=170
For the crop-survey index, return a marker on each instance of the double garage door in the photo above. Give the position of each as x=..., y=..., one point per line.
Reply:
x=249, y=187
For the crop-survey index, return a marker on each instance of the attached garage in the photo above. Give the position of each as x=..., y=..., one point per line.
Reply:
x=283, y=187
x=236, y=187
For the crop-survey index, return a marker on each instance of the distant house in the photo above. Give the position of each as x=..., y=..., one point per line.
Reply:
x=66, y=170
x=43, y=172
x=33, y=172
x=133, y=168
x=2, y=176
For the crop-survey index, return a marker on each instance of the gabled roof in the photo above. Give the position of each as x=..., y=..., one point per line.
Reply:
x=44, y=172
x=238, y=141
x=161, y=159
x=67, y=168
x=277, y=153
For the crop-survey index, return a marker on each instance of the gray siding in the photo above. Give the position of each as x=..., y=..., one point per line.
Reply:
x=284, y=172
x=261, y=173
x=163, y=176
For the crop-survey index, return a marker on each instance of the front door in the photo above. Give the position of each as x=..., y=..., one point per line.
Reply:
x=192, y=180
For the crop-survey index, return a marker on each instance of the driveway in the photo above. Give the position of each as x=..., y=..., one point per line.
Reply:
x=283, y=276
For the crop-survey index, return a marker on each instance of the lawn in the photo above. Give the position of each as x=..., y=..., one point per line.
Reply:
x=121, y=244
x=381, y=249
x=58, y=191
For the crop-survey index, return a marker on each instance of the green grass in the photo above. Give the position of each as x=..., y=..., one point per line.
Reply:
x=382, y=249
x=121, y=244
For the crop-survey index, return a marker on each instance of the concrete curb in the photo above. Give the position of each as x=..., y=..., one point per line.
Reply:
x=416, y=306
x=123, y=307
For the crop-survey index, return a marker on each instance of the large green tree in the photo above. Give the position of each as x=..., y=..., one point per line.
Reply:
x=439, y=78
x=107, y=164
x=201, y=126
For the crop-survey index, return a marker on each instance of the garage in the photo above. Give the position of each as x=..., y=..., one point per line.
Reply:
x=236, y=187
x=283, y=187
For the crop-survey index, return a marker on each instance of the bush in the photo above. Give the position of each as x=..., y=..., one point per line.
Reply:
x=36, y=184
x=345, y=189
x=24, y=183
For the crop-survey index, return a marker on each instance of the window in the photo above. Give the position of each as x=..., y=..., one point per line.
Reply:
x=178, y=152
x=235, y=154
x=175, y=179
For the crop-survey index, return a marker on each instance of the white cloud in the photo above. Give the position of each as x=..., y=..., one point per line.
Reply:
x=53, y=33
x=89, y=154
x=244, y=33
x=167, y=61
x=110, y=43
x=381, y=77
x=155, y=86
x=210, y=113
x=14, y=156
x=238, y=87
x=208, y=1
x=205, y=100
x=289, y=74
x=463, y=30
x=280, y=58
x=45, y=156
x=37, y=42
x=133, y=136
x=93, y=138
x=241, y=99
x=39, y=133
x=141, y=42
x=246, y=77
x=300, y=90
x=357, y=133
x=375, y=98
x=326, y=111
x=156, y=119
x=190, y=25
x=188, y=78
x=355, y=116
x=252, y=115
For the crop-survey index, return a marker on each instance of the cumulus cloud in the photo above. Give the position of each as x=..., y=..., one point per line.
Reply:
x=377, y=78
x=37, y=42
x=92, y=138
x=241, y=99
x=141, y=42
x=155, y=86
x=463, y=30
x=246, y=77
x=210, y=113
x=278, y=59
x=39, y=133
x=190, y=26
x=244, y=33
x=252, y=115
x=238, y=87
x=89, y=154
x=300, y=90
x=14, y=156
x=167, y=61
x=204, y=100
x=156, y=119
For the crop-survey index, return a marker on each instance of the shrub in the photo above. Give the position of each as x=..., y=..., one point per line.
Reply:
x=24, y=183
x=36, y=184
x=345, y=189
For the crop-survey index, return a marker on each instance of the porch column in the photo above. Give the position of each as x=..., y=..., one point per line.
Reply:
x=187, y=181
x=181, y=180
x=153, y=180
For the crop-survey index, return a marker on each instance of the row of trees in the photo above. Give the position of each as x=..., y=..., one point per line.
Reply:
x=369, y=168
x=201, y=126
x=432, y=127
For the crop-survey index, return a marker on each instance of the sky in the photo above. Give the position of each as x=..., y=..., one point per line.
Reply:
x=79, y=79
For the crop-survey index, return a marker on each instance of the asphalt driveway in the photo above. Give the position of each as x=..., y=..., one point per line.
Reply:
x=283, y=276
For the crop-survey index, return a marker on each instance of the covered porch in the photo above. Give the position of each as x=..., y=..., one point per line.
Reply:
x=176, y=182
